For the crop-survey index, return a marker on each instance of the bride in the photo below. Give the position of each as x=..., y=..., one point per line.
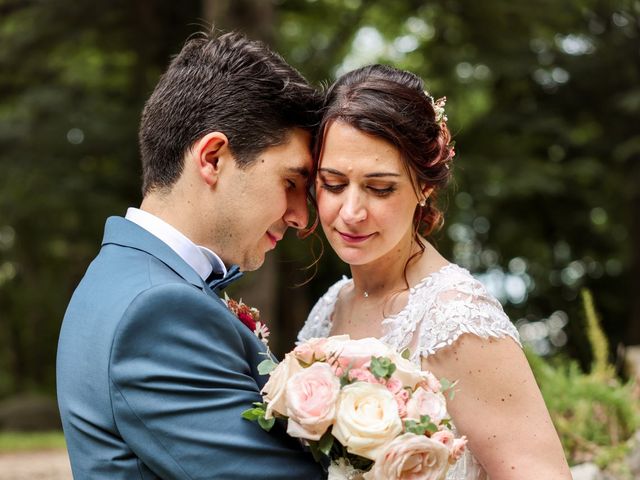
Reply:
x=384, y=154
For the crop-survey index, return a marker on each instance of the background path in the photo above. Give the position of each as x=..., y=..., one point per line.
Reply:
x=42, y=465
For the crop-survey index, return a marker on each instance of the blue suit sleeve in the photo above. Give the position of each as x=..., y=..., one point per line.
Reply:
x=180, y=380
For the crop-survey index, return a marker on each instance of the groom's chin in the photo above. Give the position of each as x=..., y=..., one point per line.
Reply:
x=252, y=262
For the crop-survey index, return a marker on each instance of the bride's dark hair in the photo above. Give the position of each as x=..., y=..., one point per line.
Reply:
x=391, y=104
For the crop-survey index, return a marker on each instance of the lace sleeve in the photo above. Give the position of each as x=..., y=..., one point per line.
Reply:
x=461, y=305
x=318, y=322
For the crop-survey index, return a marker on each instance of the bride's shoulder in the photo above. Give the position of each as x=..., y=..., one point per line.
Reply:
x=457, y=303
x=454, y=283
x=318, y=322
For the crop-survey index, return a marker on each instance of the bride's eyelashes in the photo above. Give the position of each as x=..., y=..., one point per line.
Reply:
x=332, y=187
x=339, y=187
x=383, y=192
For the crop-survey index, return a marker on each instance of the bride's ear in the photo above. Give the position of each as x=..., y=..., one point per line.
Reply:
x=211, y=154
x=425, y=192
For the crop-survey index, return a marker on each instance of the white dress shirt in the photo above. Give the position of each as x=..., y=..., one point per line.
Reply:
x=201, y=259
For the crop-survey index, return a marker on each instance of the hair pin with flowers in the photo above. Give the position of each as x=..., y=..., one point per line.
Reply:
x=442, y=119
x=438, y=108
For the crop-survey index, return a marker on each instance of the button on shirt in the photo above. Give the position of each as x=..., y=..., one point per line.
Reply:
x=201, y=259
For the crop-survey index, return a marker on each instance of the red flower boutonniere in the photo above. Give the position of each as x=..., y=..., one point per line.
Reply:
x=249, y=316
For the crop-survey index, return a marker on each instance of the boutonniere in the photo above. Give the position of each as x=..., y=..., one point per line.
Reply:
x=250, y=317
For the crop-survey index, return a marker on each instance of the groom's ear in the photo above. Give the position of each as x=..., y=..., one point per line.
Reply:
x=210, y=154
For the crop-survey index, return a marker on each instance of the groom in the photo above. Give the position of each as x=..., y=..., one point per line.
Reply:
x=153, y=369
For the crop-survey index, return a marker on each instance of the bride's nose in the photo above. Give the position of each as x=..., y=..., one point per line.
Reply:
x=353, y=209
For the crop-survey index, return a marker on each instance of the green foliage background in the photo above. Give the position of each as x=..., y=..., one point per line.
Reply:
x=543, y=99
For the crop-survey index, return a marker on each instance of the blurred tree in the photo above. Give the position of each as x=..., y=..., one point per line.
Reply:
x=73, y=79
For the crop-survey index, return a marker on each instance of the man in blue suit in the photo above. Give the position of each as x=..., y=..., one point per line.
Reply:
x=153, y=369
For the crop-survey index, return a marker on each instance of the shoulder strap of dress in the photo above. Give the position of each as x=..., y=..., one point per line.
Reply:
x=458, y=304
x=318, y=322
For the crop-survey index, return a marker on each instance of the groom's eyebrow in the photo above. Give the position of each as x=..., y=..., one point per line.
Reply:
x=302, y=171
x=368, y=175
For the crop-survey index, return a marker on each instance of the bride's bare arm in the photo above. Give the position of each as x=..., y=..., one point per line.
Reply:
x=498, y=405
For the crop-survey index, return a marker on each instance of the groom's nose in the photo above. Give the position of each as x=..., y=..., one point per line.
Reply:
x=297, y=214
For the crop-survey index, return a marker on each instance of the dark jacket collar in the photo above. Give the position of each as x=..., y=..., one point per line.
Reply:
x=120, y=231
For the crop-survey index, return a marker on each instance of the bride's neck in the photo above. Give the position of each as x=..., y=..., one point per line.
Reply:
x=387, y=273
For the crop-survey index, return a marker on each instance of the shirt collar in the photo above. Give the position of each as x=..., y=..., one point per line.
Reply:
x=201, y=259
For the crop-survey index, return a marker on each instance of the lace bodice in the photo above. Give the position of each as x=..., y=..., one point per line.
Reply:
x=443, y=306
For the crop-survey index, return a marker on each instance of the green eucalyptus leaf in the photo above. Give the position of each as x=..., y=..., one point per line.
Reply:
x=267, y=366
x=266, y=424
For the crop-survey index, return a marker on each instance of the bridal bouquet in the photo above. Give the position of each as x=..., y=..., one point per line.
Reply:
x=370, y=410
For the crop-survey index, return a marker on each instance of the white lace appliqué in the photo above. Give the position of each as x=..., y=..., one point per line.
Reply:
x=442, y=307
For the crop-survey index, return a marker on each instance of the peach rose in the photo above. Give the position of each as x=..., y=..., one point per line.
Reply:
x=311, y=401
x=411, y=457
x=275, y=392
x=424, y=402
x=430, y=382
x=354, y=353
x=458, y=448
x=367, y=419
x=311, y=350
x=406, y=372
x=445, y=437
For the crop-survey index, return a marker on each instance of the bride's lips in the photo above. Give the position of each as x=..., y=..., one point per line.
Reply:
x=351, y=238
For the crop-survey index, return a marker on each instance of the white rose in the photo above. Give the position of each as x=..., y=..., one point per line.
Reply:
x=411, y=457
x=424, y=402
x=274, y=392
x=407, y=372
x=367, y=419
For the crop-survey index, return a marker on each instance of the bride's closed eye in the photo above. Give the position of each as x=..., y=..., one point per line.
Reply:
x=333, y=187
x=339, y=187
x=383, y=192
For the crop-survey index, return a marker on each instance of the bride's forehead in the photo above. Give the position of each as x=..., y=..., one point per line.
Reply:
x=373, y=164
x=354, y=156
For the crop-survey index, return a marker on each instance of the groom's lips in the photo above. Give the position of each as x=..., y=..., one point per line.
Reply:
x=274, y=239
x=351, y=238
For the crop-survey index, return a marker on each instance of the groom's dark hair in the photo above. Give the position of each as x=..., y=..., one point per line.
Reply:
x=228, y=84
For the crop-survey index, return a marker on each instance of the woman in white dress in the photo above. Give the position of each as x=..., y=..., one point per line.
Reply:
x=384, y=152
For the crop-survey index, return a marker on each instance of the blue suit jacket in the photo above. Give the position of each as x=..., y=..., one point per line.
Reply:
x=153, y=372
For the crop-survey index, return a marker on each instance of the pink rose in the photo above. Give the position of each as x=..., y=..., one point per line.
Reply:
x=394, y=385
x=411, y=457
x=430, y=382
x=362, y=375
x=457, y=449
x=311, y=350
x=311, y=401
x=424, y=402
x=354, y=353
x=445, y=437
x=402, y=397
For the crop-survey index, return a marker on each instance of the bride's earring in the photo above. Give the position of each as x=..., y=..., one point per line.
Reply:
x=423, y=202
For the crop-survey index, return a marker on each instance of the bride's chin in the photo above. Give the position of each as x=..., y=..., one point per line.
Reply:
x=352, y=258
